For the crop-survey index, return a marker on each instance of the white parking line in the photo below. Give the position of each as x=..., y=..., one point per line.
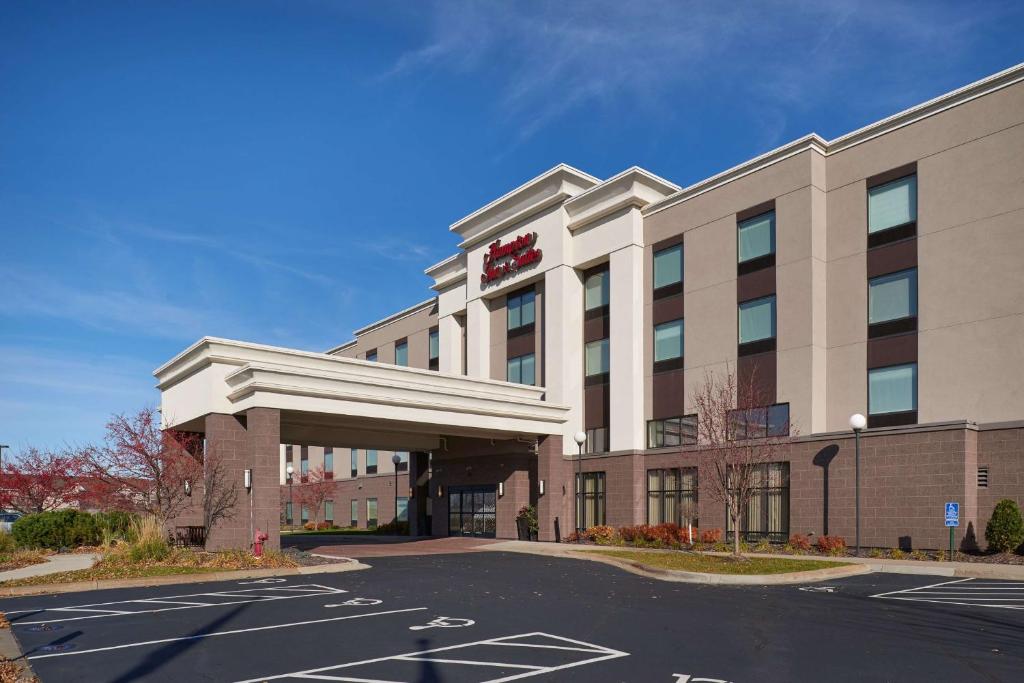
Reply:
x=963, y=592
x=200, y=636
x=335, y=673
x=176, y=602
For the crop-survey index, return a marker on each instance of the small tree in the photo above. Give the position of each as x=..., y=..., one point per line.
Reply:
x=732, y=430
x=1005, y=529
x=220, y=493
x=39, y=481
x=315, y=491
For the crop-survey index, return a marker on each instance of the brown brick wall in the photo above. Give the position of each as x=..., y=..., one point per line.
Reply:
x=1002, y=451
x=344, y=491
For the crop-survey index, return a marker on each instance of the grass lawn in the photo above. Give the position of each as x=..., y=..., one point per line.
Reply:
x=715, y=564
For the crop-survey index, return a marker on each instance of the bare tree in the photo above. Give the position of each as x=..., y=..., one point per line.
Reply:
x=220, y=493
x=736, y=440
x=316, y=491
x=153, y=464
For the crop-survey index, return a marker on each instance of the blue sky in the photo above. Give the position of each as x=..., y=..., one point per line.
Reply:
x=282, y=172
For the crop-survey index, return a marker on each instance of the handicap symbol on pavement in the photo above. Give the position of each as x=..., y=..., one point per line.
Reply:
x=687, y=678
x=444, y=622
x=246, y=583
x=818, y=589
x=357, y=602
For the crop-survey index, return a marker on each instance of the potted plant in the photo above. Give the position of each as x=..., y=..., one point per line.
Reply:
x=526, y=523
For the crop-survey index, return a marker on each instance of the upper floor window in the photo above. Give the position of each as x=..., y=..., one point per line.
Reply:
x=892, y=296
x=433, y=348
x=595, y=290
x=371, y=355
x=328, y=463
x=759, y=423
x=522, y=370
x=672, y=431
x=371, y=461
x=756, y=237
x=668, y=267
x=668, y=340
x=304, y=462
x=355, y=462
x=892, y=389
x=521, y=309
x=757, y=319
x=892, y=205
x=403, y=461
x=402, y=352
x=597, y=359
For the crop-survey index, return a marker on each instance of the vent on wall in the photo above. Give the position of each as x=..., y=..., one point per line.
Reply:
x=982, y=477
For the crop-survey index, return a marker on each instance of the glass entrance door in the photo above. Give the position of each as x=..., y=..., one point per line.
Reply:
x=472, y=511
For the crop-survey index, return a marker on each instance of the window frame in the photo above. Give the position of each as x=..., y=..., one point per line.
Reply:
x=906, y=323
x=354, y=462
x=754, y=345
x=764, y=493
x=518, y=301
x=590, y=446
x=518, y=361
x=372, y=522
x=605, y=290
x=433, y=348
x=893, y=233
x=371, y=469
x=894, y=418
x=668, y=288
x=328, y=460
x=687, y=437
x=403, y=345
x=766, y=433
x=354, y=513
x=691, y=495
x=672, y=362
x=605, y=354
x=598, y=498
x=761, y=260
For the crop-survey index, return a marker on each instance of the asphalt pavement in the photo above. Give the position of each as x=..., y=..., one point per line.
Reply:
x=486, y=617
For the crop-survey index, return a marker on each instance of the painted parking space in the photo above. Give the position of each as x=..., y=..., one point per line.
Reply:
x=976, y=593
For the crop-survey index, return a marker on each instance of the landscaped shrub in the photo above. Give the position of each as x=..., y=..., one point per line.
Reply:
x=7, y=543
x=601, y=535
x=896, y=554
x=876, y=553
x=528, y=515
x=394, y=528
x=149, y=543
x=309, y=526
x=711, y=536
x=56, y=529
x=323, y=526
x=1005, y=530
x=799, y=543
x=832, y=545
x=116, y=524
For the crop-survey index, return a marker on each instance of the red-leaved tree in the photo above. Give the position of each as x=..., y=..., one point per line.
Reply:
x=40, y=480
x=315, y=491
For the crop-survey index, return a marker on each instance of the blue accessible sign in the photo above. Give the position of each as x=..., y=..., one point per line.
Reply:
x=952, y=514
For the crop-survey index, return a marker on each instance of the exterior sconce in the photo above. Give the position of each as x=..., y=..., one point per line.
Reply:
x=412, y=492
x=501, y=489
x=540, y=490
x=248, y=479
x=188, y=488
x=440, y=491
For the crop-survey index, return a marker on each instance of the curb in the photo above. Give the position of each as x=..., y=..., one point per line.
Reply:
x=11, y=651
x=207, y=577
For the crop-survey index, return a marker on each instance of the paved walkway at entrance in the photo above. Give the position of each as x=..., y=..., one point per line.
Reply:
x=65, y=562
x=357, y=547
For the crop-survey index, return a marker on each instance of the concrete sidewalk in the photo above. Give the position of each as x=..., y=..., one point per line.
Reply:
x=64, y=562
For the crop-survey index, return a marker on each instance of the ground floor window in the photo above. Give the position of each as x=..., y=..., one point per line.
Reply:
x=590, y=506
x=371, y=513
x=402, y=506
x=767, y=513
x=355, y=514
x=672, y=496
x=305, y=514
x=329, y=511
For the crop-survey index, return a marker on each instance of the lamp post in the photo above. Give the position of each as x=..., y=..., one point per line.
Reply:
x=857, y=423
x=395, y=459
x=289, y=470
x=580, y=438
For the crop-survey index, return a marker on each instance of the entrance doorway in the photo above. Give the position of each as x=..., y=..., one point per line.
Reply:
x=472, y=511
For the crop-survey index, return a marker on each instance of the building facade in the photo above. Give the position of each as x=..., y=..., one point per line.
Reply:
x=877, y=273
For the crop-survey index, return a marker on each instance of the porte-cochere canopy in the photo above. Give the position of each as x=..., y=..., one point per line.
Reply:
x=324, y=398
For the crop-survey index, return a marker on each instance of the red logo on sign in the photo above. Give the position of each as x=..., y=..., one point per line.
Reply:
x=506, y=259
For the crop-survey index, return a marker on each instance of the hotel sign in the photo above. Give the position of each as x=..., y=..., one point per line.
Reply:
x=502, y=260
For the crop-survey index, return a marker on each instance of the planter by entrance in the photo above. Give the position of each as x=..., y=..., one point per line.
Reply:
x=472, y=511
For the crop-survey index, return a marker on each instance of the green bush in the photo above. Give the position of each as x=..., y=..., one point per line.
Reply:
x=1005, y=530
x=7, y=544
x=116, y=524
x=56, y=529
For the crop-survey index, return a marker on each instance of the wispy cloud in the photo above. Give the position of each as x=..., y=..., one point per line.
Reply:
x=398, y=250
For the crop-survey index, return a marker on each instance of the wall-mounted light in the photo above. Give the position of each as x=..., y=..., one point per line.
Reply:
x=440, y=491
x=412, y=492
x=248, y=479
x=501, y=489
x=540, y=488
x=188, y=488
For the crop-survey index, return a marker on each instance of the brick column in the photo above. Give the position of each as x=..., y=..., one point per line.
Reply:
x=247, y=442
x=557, y=499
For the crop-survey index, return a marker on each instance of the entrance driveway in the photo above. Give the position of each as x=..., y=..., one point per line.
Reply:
x=338, y=545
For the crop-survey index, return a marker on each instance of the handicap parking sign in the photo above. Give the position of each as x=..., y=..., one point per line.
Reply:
x=952, y=514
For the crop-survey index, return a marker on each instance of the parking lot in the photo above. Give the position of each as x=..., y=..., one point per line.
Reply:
x=486, y=617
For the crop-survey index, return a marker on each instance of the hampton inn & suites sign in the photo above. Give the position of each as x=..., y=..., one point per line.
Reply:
x=502, y=260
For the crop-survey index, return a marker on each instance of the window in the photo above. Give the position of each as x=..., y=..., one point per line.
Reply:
x=522, y=369
x=433, y=348
x=354, y=521
x=757, y=319
x=402, y=353
x=756, y=237
x=759, y=423
x=403, y=508
x=767, y=513
x=371, y=461
x=597, y=359
x=520, y=310
x=892, y=389
x=672, y=496
x=590, y=499
x=668, y=341
x=328, y=462
x=597, y=440
x=329, y=511
x=982, y=477
x=892, y=205
x=289, y=453
x=672, y=431
x=371, y=513
x=371, y=355
x=595, y=291
x=403, y=461
x=355, y=462
x=668, y=267
x=288, y=514
x=304, y=464
x=892, y=297
x=305, y=514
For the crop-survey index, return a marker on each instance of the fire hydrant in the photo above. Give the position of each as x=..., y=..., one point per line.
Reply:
x=257, y=542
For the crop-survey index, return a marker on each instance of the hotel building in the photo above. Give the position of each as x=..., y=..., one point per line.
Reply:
x=878, y=273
